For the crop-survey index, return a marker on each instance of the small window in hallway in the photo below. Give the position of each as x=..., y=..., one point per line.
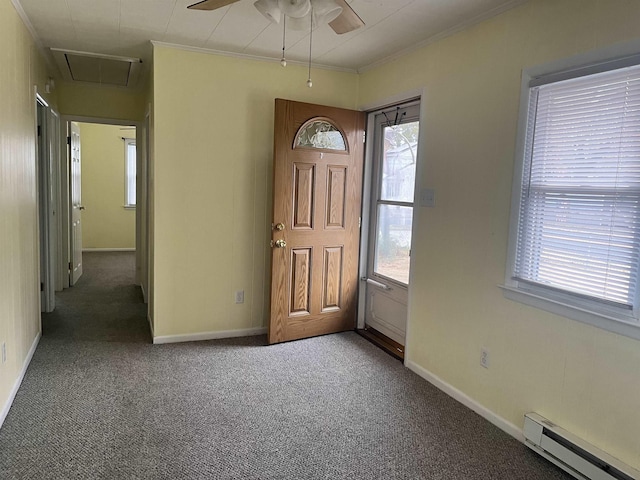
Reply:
x=130, y=173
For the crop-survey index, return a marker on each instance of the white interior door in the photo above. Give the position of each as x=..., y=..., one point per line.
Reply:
x=395, y=138
x=47, y=148
x=43, y=223
x=76, y=204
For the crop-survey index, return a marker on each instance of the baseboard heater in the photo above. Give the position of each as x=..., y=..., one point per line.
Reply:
x=572, y=454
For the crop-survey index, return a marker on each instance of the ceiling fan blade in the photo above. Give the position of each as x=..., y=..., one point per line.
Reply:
x=211, y=4
x=347, y=21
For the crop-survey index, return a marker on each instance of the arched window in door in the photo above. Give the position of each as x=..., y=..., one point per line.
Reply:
x=320, y=133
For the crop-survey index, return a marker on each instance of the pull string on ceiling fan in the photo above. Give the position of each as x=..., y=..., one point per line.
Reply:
x=299, y=12
x=283, y=60
x=337, y=13
x=309, y=82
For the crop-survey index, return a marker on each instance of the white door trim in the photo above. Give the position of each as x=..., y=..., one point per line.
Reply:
x=403, y=97
x=47, y=192
x=65, y=193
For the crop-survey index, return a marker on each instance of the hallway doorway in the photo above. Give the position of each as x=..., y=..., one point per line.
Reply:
x=105, y=305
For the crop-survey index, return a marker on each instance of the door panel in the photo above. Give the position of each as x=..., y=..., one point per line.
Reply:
x=301, y=281
x=332, y=279
x=336, y=193
x=318, y=157
x=388, y=314
x=303, y=196
x=76, y=205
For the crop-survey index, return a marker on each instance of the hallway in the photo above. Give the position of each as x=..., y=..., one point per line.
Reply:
x=103, y=306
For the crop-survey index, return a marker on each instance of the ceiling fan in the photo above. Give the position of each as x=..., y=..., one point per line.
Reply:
x=337, y=13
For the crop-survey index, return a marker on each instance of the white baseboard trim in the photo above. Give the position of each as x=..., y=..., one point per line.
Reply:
x=467, y=401
x=193, y=337
x=108, y=249
x=18, y=382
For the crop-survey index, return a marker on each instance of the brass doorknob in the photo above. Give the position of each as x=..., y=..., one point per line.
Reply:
x=280, y=243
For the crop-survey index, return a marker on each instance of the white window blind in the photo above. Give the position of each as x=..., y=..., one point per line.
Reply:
x=579, y=219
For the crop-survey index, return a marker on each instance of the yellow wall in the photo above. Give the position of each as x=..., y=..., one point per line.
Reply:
x=106, y=223
x=583, y=378
x=211, y=192
x=22, y=68
x=100, y=102
x=213, y=131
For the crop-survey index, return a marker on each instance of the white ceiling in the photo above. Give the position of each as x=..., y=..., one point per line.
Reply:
x=125, y=27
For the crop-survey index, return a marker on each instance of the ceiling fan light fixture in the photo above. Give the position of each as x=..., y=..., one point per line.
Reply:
x=269, y=8
x=325, y=11
x=301, y=24
x=295, y=8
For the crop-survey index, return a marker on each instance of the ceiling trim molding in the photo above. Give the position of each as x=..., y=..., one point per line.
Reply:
x=246, y=56
x=38, y=41
x=27, y=23
x=494, y=12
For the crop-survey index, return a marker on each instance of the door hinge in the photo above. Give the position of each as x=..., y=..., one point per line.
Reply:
x=70, y=266
x=359, y=222
x=39, y=130
x=68, y=140
x=41, y=287
x=364, y=137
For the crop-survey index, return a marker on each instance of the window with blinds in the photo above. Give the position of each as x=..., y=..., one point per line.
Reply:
x=130, y=173
x=579, y=211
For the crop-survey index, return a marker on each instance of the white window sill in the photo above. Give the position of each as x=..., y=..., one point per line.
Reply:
x=129, y=207
x=622, y=327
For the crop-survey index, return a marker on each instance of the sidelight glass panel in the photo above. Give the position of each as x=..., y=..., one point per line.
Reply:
x=399, y=162
x=393, y=243
x=320, y=134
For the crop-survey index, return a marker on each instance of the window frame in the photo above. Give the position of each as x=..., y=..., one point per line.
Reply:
x=558, y=302
x=127, y=143
x=376, y=200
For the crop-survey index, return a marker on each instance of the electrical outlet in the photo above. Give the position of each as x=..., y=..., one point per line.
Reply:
x=484, y=357
x=240, y=296
x=4, y=352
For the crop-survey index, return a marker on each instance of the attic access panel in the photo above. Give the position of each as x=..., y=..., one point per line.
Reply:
x=97, y=68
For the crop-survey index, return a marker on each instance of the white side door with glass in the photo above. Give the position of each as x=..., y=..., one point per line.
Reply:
x=394, y=171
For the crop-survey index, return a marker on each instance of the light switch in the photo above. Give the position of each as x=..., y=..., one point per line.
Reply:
x=427, y=197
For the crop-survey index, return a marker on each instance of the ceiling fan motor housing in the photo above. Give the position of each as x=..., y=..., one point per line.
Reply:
x=295, y=8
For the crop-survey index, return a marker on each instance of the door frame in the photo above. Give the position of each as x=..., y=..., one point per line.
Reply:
x=65, y=194
x=47, y=120
x=371, y=109
x=142, y=221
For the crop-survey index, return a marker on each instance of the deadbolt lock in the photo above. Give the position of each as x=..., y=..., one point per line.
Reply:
x=279, y=226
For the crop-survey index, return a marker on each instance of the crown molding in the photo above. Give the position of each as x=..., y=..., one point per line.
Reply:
x=38, y=41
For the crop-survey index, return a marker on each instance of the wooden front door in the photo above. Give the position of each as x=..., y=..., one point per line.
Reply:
x=318, y=158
